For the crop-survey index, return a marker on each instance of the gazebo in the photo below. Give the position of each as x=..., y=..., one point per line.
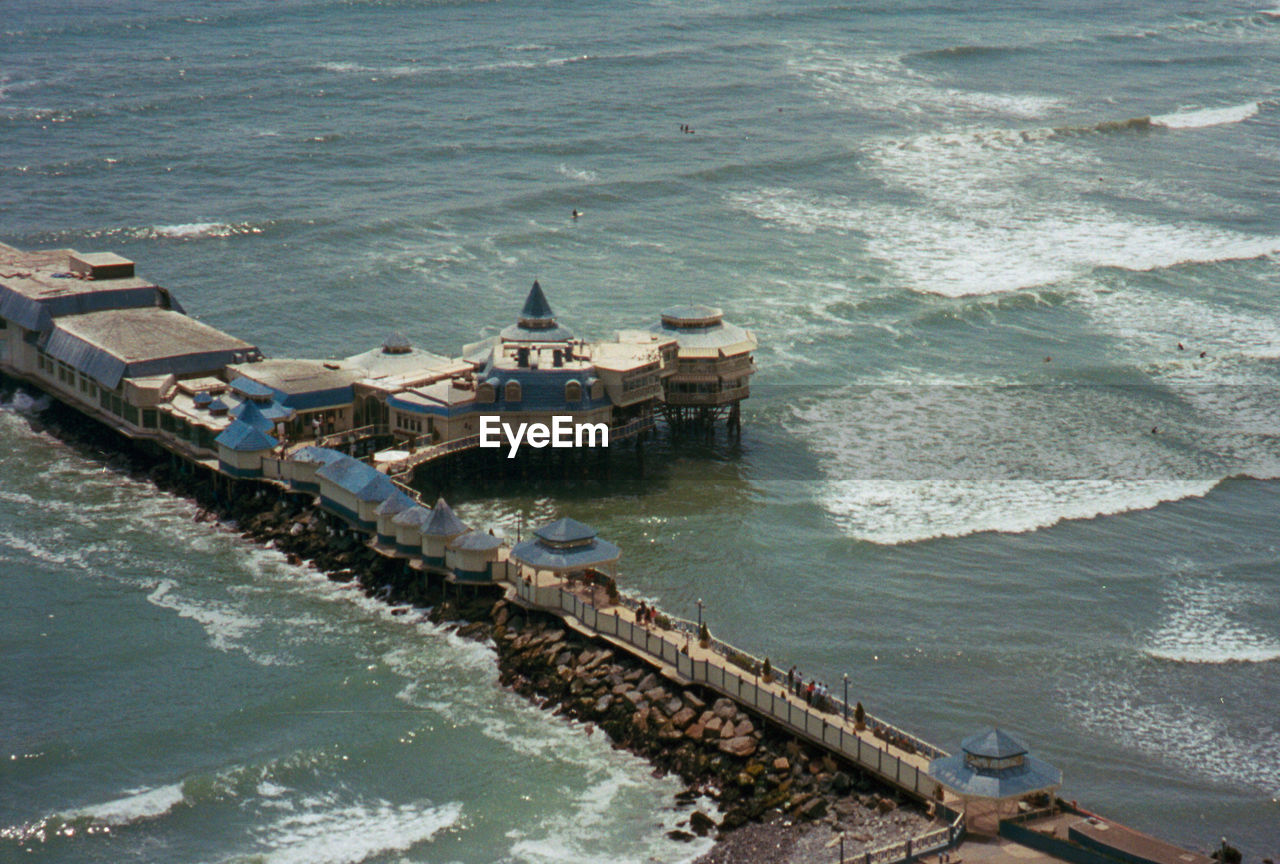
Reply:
x=992, y=775
x=566, y=548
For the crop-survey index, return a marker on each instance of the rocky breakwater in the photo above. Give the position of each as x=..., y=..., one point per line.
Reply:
x=754, y=771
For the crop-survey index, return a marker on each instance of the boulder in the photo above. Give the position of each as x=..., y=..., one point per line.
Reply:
x=728, y=731
x=724, y=709
x=693, y=701
x=741, y=746
x=694, y=731
x=674, y=706
x=648, y=683
x=701, y=824
x=781, y=765
x=814, y=808
x=682, y=717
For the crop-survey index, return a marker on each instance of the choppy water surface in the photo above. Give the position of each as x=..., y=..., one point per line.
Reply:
x=970, y=268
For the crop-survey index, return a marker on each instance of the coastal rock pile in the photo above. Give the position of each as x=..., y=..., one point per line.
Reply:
x=755, y=772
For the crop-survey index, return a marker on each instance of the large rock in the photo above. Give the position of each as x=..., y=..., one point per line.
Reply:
x=724, y=709
x=682, y=718
x=693, y=701
x=701, y=824
x=648, y=683
x=694, y=731
x=713, y=725
x=781, y=765
x=814, y=808
x=728, y=731
x=672, y=707
x=741, y=746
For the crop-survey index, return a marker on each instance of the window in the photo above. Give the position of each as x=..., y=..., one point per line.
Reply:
x=511, y=392
x=484, y=393
x=573, y=391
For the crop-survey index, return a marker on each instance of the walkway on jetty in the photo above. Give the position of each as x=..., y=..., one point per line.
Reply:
x=896, y=757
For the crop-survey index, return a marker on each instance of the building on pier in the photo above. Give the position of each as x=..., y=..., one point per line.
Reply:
x=472, y=557
x=120, y=349
x=439, y=529
x=993, y=773
x=713, y=368
x=566, y=549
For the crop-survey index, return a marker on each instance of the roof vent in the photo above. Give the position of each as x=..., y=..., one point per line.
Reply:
x=218, y=408
x=101, y=265
x=202, y=399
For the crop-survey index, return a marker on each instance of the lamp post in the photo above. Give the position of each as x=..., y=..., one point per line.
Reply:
x=846, y=697
x=699, y=614
x=519, y=525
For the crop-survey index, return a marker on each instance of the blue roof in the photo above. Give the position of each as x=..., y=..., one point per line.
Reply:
x=245, y=438
x=38, y=313
x=249, y=387
x=364, y=481
x=536, y=305
x=204, y=397
x=415, y=515
x=994, y=743
x=304, y=401
x=397, y=503
x=1033, y=775
x=443, y=522
x=476, y=541
x=248, y=412
x=537, y=554
x=108, y=369
x=565, y=531
x=536, y=323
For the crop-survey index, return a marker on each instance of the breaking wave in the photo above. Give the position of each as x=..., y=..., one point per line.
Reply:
x=1201, y=118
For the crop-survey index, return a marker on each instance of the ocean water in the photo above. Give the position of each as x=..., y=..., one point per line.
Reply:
x=978, y=474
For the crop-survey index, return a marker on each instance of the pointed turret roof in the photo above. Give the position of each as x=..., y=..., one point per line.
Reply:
x=249, y=413
x=443, y=522
x=537, y=323
x=536, y=306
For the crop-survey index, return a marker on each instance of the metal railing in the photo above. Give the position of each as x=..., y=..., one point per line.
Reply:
x=791, y=713
x=351, y=436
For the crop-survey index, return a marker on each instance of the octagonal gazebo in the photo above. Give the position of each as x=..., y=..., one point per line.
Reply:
x=992, y=774
x=564, y=549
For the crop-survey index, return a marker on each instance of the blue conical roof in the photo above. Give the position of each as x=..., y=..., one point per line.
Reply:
x=249, y=413
x=536, y=305
x=443, y=522
x=398, y=502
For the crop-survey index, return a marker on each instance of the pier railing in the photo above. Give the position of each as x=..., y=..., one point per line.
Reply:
x=785, y=709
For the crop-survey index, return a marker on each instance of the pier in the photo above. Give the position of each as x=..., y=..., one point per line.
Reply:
x=346, y=437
